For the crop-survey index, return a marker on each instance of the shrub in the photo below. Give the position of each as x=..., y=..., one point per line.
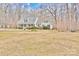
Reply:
x=20, y=27
x=33, y=30
x=73, y=31
x=46, y=27
x=32, y=27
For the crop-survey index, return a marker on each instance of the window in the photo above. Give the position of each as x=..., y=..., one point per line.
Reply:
x=24, y=25
x=25, y=20
x=21, y=25
x=45, y=21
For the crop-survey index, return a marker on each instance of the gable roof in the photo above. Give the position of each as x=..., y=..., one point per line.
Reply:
x=27, y=20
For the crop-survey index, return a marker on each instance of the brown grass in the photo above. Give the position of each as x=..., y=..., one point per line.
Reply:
x=40, y=42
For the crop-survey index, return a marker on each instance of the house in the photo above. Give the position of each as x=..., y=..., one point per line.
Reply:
x=27, y=22
x=46, y=24
x=36, y=20
x=30, y=22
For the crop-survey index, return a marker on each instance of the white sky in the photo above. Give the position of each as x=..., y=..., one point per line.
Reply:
x=39, y=1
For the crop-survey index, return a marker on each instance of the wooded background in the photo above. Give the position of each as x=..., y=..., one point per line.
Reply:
x=64, y=16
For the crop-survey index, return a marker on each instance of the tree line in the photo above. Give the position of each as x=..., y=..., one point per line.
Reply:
x=64, y=16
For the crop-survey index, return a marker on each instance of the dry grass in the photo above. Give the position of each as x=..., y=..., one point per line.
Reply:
x=40, y=42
